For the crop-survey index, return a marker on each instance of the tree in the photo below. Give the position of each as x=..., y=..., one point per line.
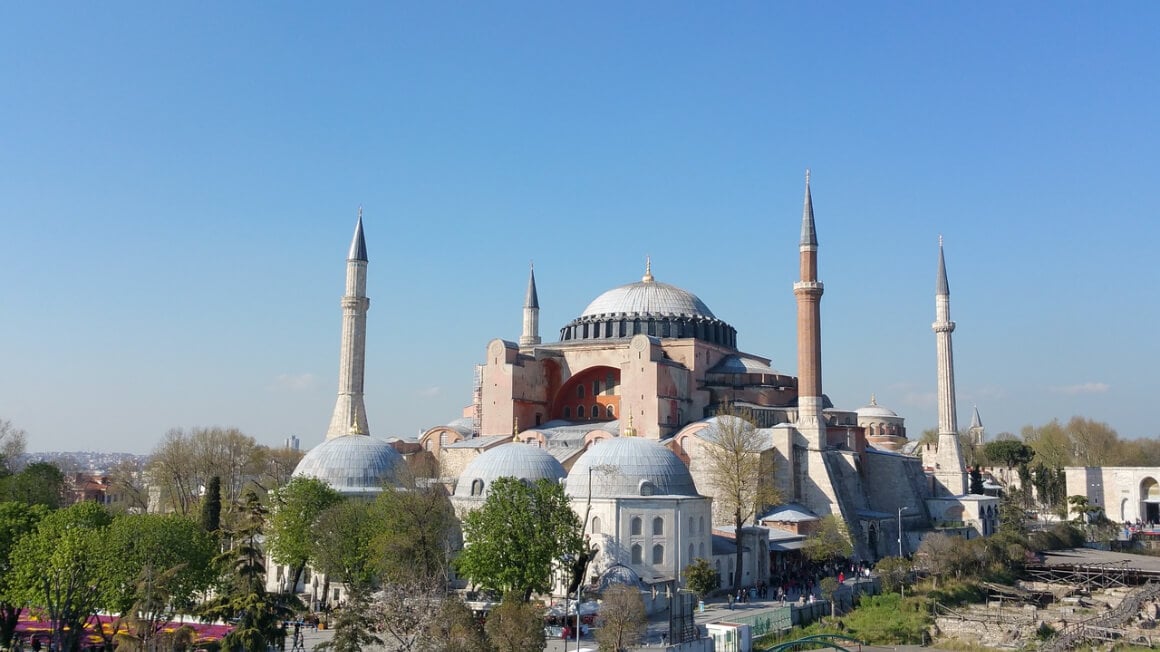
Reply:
x=516, y=625
x=154, y=567
x=352, y=626
x=12, y=442
x=417, y=523
x=829, y=541
x=701, y=578
x=127, y=488
x=408, y=610
x=183, y=463
x=211, y=506
x=740, y=471
x=977, y=481
x=894, y=573
x=455, y=629
x=937, y=554
x=241, y=594
x=342, y=543
x=1009, y=452
x=297, y=506
x=57, y=568
x=16, y=520
x=40, y=483
x=277, y=466
x=1051, y=444
x=513, y=540
x=829, y=587
x=623, y=620
x=1093, y=443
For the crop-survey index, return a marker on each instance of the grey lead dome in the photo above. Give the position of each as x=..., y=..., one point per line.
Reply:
x=511, y=460
x=351, y=464
x=629, y=466
x=648, y=298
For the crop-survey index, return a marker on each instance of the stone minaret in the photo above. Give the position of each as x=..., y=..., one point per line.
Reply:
x=531, y=334
x=808, y=291
x=950, y=476
x=350, y=415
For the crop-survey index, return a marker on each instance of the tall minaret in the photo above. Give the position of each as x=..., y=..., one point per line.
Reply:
x=531, y=334
x=808, y=291
x=350, y=415
x=948, y=460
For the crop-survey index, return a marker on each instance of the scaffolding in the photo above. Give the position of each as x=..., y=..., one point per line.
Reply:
x=477, y=402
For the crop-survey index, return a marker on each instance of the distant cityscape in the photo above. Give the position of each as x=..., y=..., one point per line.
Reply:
x=92, y=462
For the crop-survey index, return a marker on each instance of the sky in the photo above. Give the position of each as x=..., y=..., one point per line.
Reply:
x=179, y=183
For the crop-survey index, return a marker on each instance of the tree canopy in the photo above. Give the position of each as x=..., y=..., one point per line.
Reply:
x=293, y=521
x=516, y=538
x=16, y=520
x=829, y=541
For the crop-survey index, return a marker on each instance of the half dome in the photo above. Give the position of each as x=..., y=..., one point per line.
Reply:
x=629, y=466
x=352, y=464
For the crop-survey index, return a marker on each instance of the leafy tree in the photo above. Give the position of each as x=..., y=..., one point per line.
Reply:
x=929, y=437
x=57, y=568
x=829, y=541
x=242, y=593
x=623, y=620
x=297, y=507
x=16, y=521
x=211, y=506
x=184, y=462
x=516, y=625
x=741, y=472
x=513, y=540
x=155, y=565
x=829, y=587
x=40, y=483
x=455, y=629
x=417, y=523
x=342, y=537
x=352, y=626
x=1051, y=444
x=701, y=578
x=1009, y=452
x=1084, y=511
x=977, y=481
x=1093, y=443
x=894, y=573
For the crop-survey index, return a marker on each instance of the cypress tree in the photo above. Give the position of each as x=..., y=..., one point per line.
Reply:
x=211, y=506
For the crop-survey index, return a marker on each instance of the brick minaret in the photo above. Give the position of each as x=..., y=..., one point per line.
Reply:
x=808, y=291
x=950, y=476
x=350, y=415
x=531, y=333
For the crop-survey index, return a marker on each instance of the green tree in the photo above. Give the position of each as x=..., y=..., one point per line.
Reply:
x=701, y=578
x=12, y=442
x=352, y=626
x=740, y=471
x=455, y=629
x=1093, y=443
x=296, y=508
x=829, y=541
x=211, y=506
x=516, y=625
x=623, y=620
x=894, y=573
x=39, y=483
x=155, y=566
x=1051, y=443
x=342, y=543
x=242, y=593
x=417, y=524
x=977, y=481
x=1009, y=452
x=829, y=587
x=16, y=520
x=513, y=540
x=57, y=568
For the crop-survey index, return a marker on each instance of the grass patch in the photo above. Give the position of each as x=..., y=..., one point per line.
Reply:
x=879, y=620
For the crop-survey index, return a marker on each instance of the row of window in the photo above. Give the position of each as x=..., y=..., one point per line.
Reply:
x=609, y=412
x=658, y=554
x=636, y=526
x=608, y=388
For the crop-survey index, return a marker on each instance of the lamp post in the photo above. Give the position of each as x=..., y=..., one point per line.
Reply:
x=900, y=510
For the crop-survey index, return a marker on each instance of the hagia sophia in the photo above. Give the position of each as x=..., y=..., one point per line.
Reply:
x=623, y=407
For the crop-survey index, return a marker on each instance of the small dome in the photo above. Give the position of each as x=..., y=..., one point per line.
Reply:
x=351, y=464
x=648, y=298
x=875, y=410
x=513, y=460
x=629, y=466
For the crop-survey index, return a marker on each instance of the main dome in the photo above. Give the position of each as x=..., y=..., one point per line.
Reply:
x=351, y=464
x=650, y=308
x=648, y=298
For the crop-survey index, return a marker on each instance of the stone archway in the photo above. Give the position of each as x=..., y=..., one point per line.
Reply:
x=1150, y=499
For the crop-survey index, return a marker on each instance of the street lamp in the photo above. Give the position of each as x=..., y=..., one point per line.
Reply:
x=900, y=510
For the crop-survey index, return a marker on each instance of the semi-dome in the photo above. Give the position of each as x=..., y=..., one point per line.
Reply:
x=875, y=410
x=651, y=308
x=351, y=464
x=629, y=466
x=512, y=460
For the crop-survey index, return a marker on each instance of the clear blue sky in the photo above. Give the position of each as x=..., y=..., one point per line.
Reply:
x=179, y=183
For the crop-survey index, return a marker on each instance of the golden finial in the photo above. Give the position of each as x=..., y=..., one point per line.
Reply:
x=354, y=427
x=629, y=431
x=515, y=425
x=648, y=277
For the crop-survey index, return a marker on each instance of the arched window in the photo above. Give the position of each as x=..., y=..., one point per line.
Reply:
x=595, y=387
x=477, y=487
x=701, y=549
x=658, y=526
x=595, y=412
x=634, y=527
x=691, y=530
x=636, y=554
x=595, y=525
x=579, y=391
x=701, y=529
x=579, y=411
x=567, y=412
x=658, y=556
x=689, y=558
x=609, y=412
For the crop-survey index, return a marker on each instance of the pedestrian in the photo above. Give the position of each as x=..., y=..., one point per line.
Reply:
x=730, y=601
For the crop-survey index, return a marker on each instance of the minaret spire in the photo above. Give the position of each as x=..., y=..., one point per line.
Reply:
x=949, y=471
x=531, y=332
x=350, y=415
x=808, y=291
x=648, y=277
